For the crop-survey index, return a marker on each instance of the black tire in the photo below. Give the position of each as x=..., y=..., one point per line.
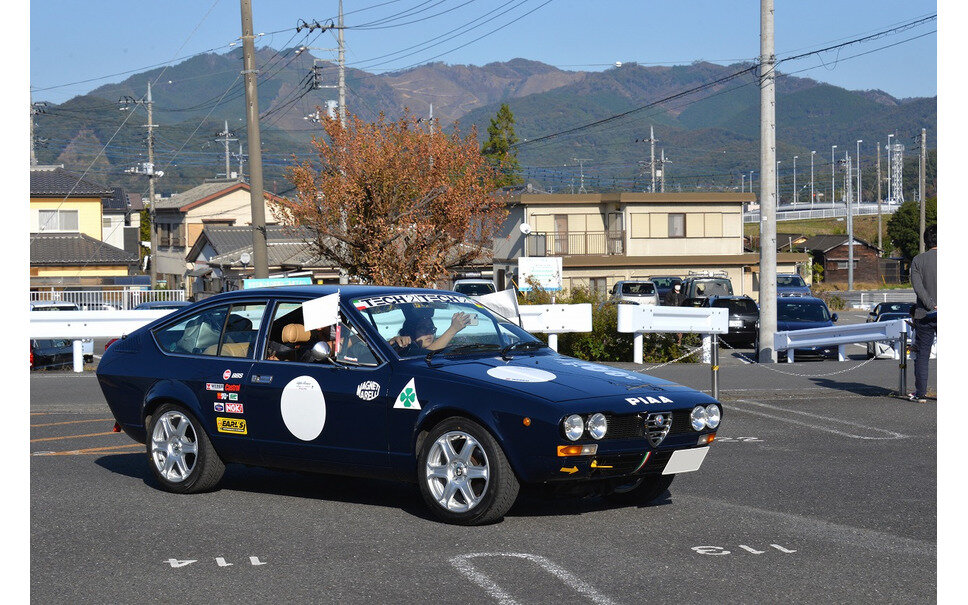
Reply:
x=204, y=467
x=641, y=491
x=491, y=499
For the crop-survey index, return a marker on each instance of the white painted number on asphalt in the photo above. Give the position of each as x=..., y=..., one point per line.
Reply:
x=220, y=561
x=738, y=440
x=719, y=550
x=464, y=566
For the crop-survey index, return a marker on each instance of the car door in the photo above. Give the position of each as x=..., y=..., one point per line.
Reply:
x=214, y=350
x=317, y=414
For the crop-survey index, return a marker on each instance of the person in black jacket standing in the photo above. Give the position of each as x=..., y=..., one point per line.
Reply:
x=674, y=297
x=924, y=279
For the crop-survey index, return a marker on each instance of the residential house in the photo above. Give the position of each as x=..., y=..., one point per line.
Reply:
x=120, y=220
x=607, y=237
x=215, y=259
x=180, y=219
x=831, y=252
x=67, y=229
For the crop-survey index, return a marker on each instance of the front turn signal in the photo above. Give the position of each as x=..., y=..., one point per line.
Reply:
x=578, y=450
x=706, y=439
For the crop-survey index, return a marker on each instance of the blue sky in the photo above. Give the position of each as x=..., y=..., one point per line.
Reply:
x=74, y=40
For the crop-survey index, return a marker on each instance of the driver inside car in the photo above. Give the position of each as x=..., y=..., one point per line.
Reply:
x=419, y=334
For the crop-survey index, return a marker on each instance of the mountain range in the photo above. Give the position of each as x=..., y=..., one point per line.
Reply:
x=710, y=136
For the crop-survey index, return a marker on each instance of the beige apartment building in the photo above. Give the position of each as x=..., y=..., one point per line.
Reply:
x=607, y=237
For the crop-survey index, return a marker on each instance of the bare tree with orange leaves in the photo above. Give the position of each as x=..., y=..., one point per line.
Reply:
x=395, y=203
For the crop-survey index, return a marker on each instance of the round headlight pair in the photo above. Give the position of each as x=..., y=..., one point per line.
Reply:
x=703, y=417
x=574, y=426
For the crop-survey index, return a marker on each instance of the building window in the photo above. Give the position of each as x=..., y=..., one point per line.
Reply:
x=677, y=225
x=598, y=285
x=58, y=220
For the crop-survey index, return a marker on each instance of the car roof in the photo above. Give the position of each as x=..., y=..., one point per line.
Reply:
x=345, y=291
x=473, y=280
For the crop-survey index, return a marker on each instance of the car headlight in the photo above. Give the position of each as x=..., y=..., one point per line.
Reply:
x=597, y=425
x=698, y=418
x=574, y=427
x=713, y=415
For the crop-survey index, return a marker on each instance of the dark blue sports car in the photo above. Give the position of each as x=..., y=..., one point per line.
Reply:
x=419, y=385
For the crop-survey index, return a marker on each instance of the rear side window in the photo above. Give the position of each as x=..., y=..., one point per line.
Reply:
x=197, y=334
x=241, y=329
x=737, y=307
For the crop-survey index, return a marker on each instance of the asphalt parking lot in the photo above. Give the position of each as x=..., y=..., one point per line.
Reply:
x=821, y=488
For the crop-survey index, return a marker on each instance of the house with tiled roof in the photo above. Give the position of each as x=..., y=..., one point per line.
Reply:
x=180, y=220
x=216, y=257
x=67, y=231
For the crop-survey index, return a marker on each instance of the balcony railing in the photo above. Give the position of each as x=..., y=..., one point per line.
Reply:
x=582, y=243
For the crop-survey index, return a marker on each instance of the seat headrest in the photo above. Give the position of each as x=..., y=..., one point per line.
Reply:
x=294, y=333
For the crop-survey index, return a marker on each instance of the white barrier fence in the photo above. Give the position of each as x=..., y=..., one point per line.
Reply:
x=115, y=299
x=556, y=319
x=75, y=325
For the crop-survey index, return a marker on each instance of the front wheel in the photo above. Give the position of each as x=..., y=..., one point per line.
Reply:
x=640, y=491
x=180, y=454
x=463, y=474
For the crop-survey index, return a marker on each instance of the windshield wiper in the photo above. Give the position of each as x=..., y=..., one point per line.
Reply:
x=530, y=344
x=463, y=349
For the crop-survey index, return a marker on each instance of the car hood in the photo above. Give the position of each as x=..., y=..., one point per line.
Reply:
x=789, y=326
x=559, y=378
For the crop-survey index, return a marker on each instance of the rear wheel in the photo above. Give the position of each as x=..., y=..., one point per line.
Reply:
x=640, y=491
x=180, y=454
x=463, y=474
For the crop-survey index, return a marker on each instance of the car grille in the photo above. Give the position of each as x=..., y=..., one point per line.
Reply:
x=655, y=425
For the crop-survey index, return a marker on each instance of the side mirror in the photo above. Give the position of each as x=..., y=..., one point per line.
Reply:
x=833, y=317
x=321, y=351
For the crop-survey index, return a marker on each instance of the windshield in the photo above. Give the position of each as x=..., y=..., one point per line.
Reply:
x=474, y=289
x=801, y=311
x=893, y=316
x=638, y=288
x=665, y=282
x=894, y=307
x=713, y=287
x=790, y=281
x=737, y=307
x=446, y=324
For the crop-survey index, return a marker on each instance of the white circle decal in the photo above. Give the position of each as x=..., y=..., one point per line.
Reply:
x=519, y=374
x=303, y=408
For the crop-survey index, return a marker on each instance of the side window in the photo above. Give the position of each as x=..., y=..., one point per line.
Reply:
x=241, y=329
x=197, y=334
x=289, y=340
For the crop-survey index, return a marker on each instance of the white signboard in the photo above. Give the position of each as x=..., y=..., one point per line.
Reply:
x=545, y=269
x=556, y=319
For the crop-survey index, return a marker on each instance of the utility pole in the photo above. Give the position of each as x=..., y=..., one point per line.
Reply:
x=742, y=183
x=228, y=162
x=795, y=192
x=833, y=174
x=342, y=69
x=662, y=171
x=880, y=243
x=812, y=153
x=652, y=156
x=148, y=169
x=35, y=108
x=848, y=199
x=922, y=168
x=260, y=252
x=767, y=352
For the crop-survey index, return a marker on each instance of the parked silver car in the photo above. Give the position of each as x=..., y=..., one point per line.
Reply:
x=640, y=292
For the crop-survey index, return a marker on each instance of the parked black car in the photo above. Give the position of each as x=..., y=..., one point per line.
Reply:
x=889, y=307
x=744, y=317
x=47, y=353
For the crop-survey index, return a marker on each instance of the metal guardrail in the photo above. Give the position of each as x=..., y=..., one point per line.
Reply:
x=556, y=319
x=797, y=214
x=708, y=321
x=894, y=331
x=75, y=325
x=117, y=299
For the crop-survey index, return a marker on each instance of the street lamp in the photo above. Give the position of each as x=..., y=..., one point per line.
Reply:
x=776, y=183
x=812, y=153
x=795, y=196
x=833, y=173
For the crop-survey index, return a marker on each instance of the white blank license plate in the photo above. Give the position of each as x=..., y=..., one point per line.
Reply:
x=736, y=323
x=684, y=461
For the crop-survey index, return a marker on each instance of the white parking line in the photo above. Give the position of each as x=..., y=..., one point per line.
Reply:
x=827, y=429
x=463, y=565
